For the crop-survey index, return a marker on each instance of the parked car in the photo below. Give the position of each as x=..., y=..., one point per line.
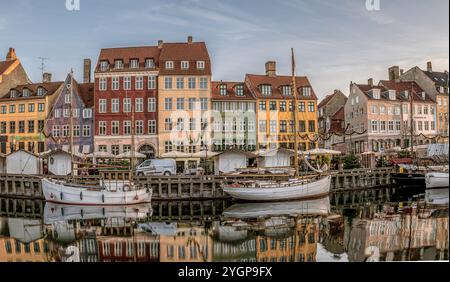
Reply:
x=166, y=167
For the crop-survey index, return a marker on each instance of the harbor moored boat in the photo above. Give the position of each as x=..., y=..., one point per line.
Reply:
x=436, y=180
x=63, y=192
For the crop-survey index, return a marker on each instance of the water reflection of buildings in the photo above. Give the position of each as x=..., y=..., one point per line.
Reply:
x=137, y=248
x=301, y=246
x=190, y=244
x=398, y=238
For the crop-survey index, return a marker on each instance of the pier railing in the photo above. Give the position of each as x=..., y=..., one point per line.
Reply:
x=191, y=187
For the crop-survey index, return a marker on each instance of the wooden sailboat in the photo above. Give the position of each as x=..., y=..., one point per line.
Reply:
x=292, y=189
x=109, y=193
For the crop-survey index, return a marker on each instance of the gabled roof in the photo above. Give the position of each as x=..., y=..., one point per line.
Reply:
x=439, y=78
x=402, y=86
x=126, y=54
x=50, y=87
x=254, y=81
x=86, y=93
x=231, y=93
x=192, y=52
x=5, y=65
x=328, y=98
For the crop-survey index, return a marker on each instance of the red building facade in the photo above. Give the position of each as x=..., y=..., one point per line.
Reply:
x=126, y=95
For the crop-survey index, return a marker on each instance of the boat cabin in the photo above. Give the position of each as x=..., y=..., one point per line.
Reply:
x=231, y=161
x=22, y=162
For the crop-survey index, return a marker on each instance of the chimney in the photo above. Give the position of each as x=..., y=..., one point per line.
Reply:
x=189, y=39
x=402, y=71
x=370, y=82
x=160, y=44
x=271, y=68
x=46, y=77
x=11, y=55
x=394, y=73
x=87, y=71
x=429, y=67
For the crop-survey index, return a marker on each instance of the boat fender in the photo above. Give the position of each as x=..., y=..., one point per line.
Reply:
x=82, y=213
x=52, y=196
x=61, y=195
x=136, y=198
x=126, y=187
x=81, y=196
x=103, y=198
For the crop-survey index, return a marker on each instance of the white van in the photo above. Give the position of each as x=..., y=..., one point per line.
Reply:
x=166, y=167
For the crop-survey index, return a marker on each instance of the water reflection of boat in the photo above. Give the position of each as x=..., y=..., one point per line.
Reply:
x=252, y=210
x=159, y=228
x=25, y=230
x=57, y=213
x=437, y=196
x=437, y=181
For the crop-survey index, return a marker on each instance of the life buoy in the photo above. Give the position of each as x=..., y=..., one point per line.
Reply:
x=136, y=198
x=126, y=187
x=81, y=196
x=52, y=196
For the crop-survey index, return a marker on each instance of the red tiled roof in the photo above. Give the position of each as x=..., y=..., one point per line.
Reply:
x=328, y=98
x=336, y=121
x=192, y=52
x=231, y=94
x=128, y=53
x=86, y=93
x=4, y=65
x=50, y=87
x=254, y=81
x=402, y=86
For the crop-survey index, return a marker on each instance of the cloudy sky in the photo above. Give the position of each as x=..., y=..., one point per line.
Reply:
x=336, y=41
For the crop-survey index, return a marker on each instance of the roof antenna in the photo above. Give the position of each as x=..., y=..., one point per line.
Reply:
x=42, y=67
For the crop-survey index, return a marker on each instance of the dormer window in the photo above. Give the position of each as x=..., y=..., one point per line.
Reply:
x=184, y=65
x=40, y=91
x=376, y=94
x=223, y=90
x=287, y=90
x=134, y=63
x=424, y=96
x=118, y=64
x=149, y=63
x=239, y=89
x=26, y=93
x=169, y=65
x=406, y=94
x=266, y=90
x=103, y=65
x=200, y=65
x=13, y=93
x=306, y=91
x=392, y=95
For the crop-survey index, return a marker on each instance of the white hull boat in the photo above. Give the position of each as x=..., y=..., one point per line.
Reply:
x=59, y=213
x=254, y=210
x=436, y=180
x=65, y=193
x=266, y=191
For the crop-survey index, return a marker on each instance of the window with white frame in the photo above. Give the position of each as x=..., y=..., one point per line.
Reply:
x=40, y=91
x=87, y=113
x=127, y=127
x=419, y=109
x=127, y=83
x=266, y=90
x=180, y=82
x=397, y=110
x=425, y=109
x=239, y=90
x=115, y=127
x=57, y=113
x=41, y=107
x=76, y=131
x=65, y=130
x=307, y=91
x=192, y=103
x=184, y=65
x=180, y=103
x=374, y=109
x=223, y=90
x=374, y=125
x=66, y=113
x=180, y=124
x=151, y=105
x=127, y=105
x=75, y=112
x=200, y=65
x=118, y=64
x=151, y=82
x=204, y=104
x=104, y=65
x=86, y=130
x=168, y=146
x=67, y=98
x=273, y=126
x=102, y=106
x=168, y=125
x=169, y=65
x=382, y=110
x=139, y=127
x=203, y=83
x=168, y=104
x=115, y=83
x=55, y=131
x=102, y=127
x=139, y=105
x=398, y=125
x=168, y=82
x=191, y=82
x=139, y=82
x=149, y=63
x=102, y=84
x=114, y=105
x=134, y=63
x=391, y=126
x=432, y=111
x=152, y=126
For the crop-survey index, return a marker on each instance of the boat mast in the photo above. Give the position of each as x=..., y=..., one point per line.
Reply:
x=71, y=125
x=411, y=120
x=295, y=109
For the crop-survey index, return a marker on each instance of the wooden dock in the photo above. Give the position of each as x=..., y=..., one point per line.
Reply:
x=181, y=188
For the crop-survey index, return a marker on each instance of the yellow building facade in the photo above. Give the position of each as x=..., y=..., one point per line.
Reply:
x=12, y=250
x=274, y=107
x=23, y=111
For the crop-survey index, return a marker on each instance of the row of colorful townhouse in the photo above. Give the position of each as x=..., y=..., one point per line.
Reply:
x=377, y=117
x=161, y=97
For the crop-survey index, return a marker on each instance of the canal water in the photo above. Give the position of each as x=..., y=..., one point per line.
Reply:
x=355, y=227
